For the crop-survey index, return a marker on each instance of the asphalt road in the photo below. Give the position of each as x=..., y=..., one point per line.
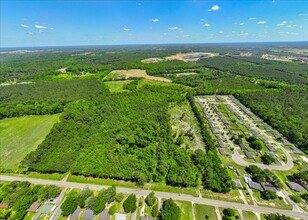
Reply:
x=183, y=197
x=236, y=157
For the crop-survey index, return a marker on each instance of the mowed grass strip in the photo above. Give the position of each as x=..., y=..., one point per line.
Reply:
x=19, y=136
x=201, y=211
x=186, y=209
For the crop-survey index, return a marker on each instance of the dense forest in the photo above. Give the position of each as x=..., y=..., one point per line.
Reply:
x=123, y=136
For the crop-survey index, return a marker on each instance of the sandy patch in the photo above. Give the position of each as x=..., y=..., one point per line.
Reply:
x=190, y=57
x=186, y=74
x=137, y=73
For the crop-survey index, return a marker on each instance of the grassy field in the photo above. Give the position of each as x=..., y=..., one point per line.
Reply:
x=117, y=86
x=19, y=136
x=249, y=215
x=204, y=210
x=186, y=209
x=48, y=176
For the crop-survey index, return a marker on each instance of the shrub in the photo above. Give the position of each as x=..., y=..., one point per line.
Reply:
x=129, y=204
x=150, y=199
x=170, y=210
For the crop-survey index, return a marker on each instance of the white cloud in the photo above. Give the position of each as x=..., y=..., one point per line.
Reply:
x=282, y=23
x=40, y=27
x=206, y=25
x=40, y=31
x=214, y=8
x=306, y=14
x=174, y=28
x=155, y=20
x=242, y=23
x=262, y=22
x=287, y=33
x=235, y=23
x=243, y=34
x=252, y=19
x=51, y=28
x=24, y=25
x=126, y=29
x=187, y=35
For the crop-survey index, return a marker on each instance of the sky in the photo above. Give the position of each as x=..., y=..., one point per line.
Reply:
x=67, y=23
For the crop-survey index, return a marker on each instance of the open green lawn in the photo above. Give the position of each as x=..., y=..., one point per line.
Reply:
x=249, y=215
x=186, y=209
x=19, y=136
x=204, y=210
x=117, y=86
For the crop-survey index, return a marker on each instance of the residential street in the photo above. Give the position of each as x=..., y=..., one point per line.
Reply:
x=139, y=192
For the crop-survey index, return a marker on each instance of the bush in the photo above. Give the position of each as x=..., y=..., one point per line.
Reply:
x=129, y=204
x=276, y=217
x=155, y=210
x=170, y=210
x=119, y=197
x=268, y=195
x=70, y=204
x=228, y=212
x=150, y=199
x=83, y=196
x=267, y=159
x=113, y=209
x=296, y=198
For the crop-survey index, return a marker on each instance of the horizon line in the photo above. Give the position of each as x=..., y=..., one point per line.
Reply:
x=151, y=44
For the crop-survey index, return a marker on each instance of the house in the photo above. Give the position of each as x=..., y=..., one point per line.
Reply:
x=221, y=143
x=238, y=172
x=104, y=215
x=238, y=184
x=119, y=216
x=88, y=215
x=286, y=142
x=254, y=185
x=295, y=186
x=269, y=187
x=34, y=207
x=145, y=218
x=297, y=151
x=247, y=178
x=243, y=146
x=249, y=155
x=270, y=148
x=276, y=136
x=222, y=151
x=75, y=214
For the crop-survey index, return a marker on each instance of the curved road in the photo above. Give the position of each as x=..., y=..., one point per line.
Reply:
x=184, y=197
x=236, y=157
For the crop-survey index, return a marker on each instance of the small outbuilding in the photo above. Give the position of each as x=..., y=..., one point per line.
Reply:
x=243, y=146
x=88, y=215
x=75, y=214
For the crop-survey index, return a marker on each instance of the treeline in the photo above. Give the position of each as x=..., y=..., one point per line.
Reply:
x=122, y=136
x=19, y=196
x=214, y=176
x=285, y=110
x=41, y=98
x=256, y=67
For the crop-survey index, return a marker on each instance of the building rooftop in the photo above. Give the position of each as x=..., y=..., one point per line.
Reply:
x=269, y=187
x=75, y=214
x=249, y=155
x=88, y=215
x=254, y=185
x=243, y=146
x=295, y=186
x=34, y=207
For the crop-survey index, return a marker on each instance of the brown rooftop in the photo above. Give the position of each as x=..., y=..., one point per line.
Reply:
x=3, y=206
x=34, y=207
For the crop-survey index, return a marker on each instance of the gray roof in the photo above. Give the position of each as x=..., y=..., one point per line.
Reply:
x=104, y=215
x=145, y=218
x=270, y=147
x=269, y=187
x=254, y=185
x=222, y=151
x=297, y=151
x=88, y=214
x=295, y=186
x=221, y=143
x=243, y=146
x=286, y=142
x=238, y=184
x=249, y=155
x=76, y=213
